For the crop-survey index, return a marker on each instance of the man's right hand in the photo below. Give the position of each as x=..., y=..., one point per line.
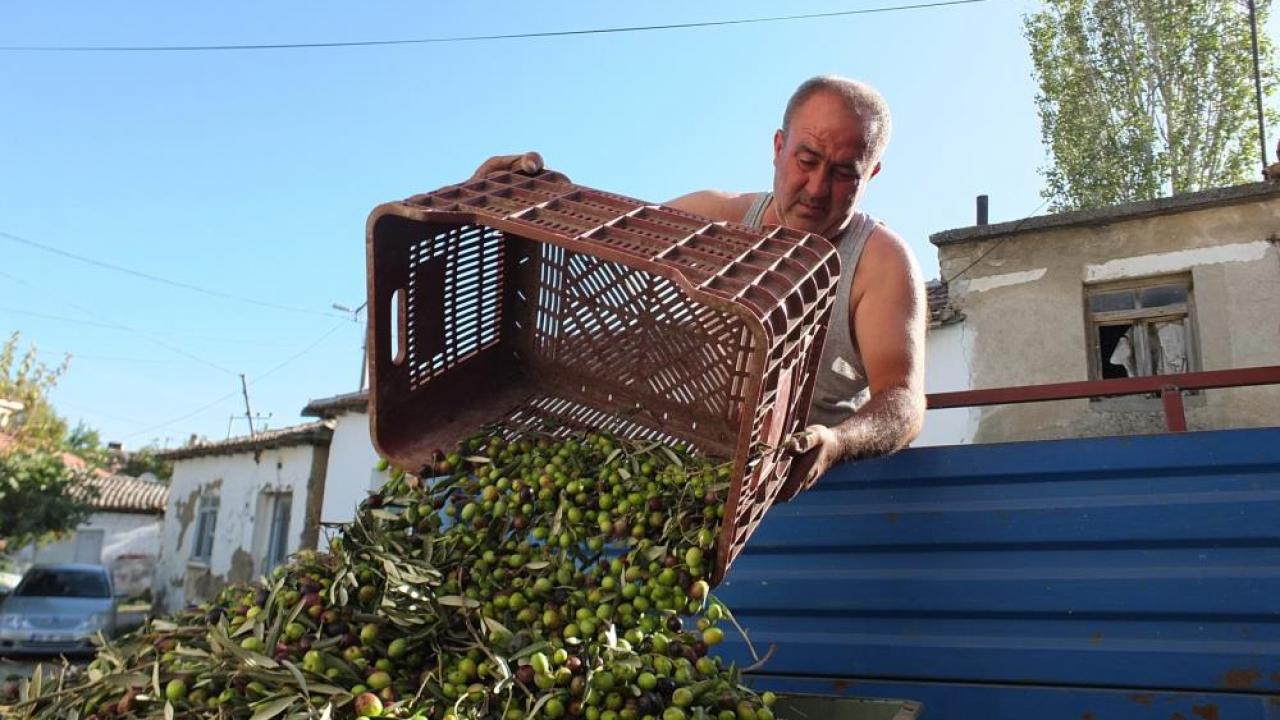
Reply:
x=529, y=163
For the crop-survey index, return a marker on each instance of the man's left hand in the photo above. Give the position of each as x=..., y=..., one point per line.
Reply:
x=816, y=450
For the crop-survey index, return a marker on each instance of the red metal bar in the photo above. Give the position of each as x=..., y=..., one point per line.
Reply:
x=1241, y=377
x=1175, y=420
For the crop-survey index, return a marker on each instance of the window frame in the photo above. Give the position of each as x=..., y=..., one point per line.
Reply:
x=207, y=509
x=1140, y=317
x=278, y=526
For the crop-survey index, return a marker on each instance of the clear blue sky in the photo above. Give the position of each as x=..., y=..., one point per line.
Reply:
x=252, y=173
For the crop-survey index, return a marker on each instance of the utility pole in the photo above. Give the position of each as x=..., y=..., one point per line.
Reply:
x=1257, y=80
x=364, y=343
x=364, y=360
x=248, y=413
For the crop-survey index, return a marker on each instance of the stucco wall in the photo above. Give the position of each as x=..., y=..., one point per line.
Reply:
x=1024, y=304
x=130, y=548
x=240, y=541
x=948, y=357
x=351, y=474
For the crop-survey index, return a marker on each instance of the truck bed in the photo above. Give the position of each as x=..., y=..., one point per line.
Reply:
x=1128, y=577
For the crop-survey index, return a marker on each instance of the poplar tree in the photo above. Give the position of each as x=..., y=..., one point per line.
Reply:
x=1140, y=99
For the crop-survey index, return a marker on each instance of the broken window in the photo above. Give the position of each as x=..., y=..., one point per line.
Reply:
x=206, y=520
x=1141, y=329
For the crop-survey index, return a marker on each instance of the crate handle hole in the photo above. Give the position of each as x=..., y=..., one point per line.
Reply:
x=398, y=318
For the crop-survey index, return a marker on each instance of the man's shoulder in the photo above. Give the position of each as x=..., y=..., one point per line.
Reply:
x=887, y=258
x=715, y=204
x=884, y=246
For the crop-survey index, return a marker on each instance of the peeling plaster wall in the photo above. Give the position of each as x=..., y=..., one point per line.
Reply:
x=351, y=474
x=240, y=535
x=1024, y=303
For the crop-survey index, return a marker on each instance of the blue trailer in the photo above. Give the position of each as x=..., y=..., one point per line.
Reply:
x=1130, y=577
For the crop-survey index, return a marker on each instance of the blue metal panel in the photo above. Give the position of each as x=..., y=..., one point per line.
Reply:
x=957, y=701
x=1141, y=563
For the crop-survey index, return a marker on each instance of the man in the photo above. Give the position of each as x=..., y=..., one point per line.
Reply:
x=869, y=394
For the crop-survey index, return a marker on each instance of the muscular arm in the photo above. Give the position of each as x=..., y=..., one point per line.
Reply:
x=888, y=319
x=889, y=322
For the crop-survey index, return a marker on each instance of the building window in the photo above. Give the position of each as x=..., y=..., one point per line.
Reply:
x=206, y=521
x=1141, y=329
x=276, y=511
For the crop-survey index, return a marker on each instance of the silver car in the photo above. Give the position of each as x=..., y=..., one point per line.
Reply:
x=58, y=610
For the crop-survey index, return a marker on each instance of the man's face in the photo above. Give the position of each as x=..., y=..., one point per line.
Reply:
x=820, y=166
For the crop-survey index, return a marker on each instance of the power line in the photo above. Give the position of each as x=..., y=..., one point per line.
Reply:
x=81, y=411
x=55, y=294
x=300, y=353
x=480, y=38
x=234, y=393
x=193, y=413
x=124, y=328
x=62, y=318
x=158, y=279
x=104, y=323
x=104, y=358
x=116, y=326
x=997, y=244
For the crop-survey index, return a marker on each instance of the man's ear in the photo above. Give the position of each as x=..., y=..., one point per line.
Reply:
x=876, y=170
x=778, y=141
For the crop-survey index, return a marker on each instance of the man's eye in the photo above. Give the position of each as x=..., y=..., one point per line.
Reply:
x=806, y=161
x=846, y=175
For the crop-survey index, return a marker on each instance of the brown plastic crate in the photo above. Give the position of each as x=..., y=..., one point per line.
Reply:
x=523, y=300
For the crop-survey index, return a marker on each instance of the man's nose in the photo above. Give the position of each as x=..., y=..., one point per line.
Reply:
x=817, y=185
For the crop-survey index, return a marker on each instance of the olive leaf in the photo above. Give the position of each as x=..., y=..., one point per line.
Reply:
x=270, y=708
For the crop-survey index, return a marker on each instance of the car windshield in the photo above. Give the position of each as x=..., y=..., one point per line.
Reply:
x=49, y=582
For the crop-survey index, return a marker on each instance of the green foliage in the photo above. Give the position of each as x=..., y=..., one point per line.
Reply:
x=24, y=379
x=144, y=460
x=84, y=442
x=1143, y=98
x=40, y=497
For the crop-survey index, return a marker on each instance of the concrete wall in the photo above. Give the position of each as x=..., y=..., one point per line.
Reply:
x=351, y=474
x=1024, y=307
x=127, y=543
x=948, y=358
x=240, y=538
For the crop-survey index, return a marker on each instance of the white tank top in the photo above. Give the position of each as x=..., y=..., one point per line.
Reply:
x=841, y=385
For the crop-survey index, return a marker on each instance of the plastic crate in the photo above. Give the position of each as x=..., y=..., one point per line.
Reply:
x=528, y=301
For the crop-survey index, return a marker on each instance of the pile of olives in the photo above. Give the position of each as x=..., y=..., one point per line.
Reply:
x=522, y=576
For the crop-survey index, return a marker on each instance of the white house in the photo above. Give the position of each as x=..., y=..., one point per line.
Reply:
x=352, y=459
x=238, y=508
x=123, y=533
x=948, y=351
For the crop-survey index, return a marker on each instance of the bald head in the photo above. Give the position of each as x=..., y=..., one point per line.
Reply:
x=861, y=99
